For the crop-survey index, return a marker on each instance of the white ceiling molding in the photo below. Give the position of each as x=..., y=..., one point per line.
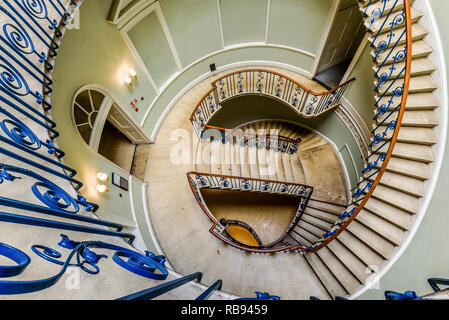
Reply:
x=129, y=24
x=220, y=22
x=267, y=21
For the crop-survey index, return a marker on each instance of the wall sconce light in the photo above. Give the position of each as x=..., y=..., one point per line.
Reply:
x=102, y=179
x=102, y=188
x=131, y=78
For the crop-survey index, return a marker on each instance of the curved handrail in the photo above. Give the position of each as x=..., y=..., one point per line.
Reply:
x=255, y=135
x=370, y=187
x=287, y=78
x=305, y=102
x=300, y=190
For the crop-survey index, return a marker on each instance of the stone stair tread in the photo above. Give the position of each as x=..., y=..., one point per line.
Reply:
x=415, y=101
x=372, y=239
x=326, y=277
x=350, y=260
x=420, y=49
x=390, y=213
x=361, y=249
x=300, y=239
x=339, y=270
x=323, y=215
x=419, y=118
x=327, y=207
x=416, y=135
x=203, y=163
x=216, y=157
x=226, y=168
x=418, y=84
x=418, y=33
x=317, y=232
x=397, y=199
x=419, y=67
x=310, y=237
x=410, y=151
x=324, y=225
x=401, y=183
x=386, y=27
x=297, y=169
x=414, y=169
x=382, y=227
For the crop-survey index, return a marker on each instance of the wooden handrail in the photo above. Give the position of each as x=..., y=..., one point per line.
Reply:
x=285, y=77
x=395, y=134
x=214, y=86
x=279, y=138
x=215, y=222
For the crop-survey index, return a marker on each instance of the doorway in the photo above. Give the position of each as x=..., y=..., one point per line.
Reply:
x=345, y=36
x=108, y=130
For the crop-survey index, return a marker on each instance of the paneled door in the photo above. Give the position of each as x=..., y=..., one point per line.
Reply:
x=345, y=36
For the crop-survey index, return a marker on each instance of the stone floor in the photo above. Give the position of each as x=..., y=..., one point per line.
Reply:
x=182, y=228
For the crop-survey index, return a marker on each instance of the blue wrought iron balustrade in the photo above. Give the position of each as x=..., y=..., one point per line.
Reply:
x=269, y=141
x=392, y=91
x=147, y=266
x=268, y=83
x=30, y=33
x=198, y=181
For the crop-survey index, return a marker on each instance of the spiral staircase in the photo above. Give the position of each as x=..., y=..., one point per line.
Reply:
x=344, y=244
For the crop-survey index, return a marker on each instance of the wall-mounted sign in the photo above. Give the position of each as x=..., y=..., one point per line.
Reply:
x=119, y=181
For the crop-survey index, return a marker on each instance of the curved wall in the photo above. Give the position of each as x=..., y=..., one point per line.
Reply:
x=98, y=53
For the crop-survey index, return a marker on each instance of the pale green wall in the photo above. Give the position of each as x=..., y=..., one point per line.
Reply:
x=148, y=39
x=93, y=55
x=361, y=92
x=298, y=23
x=427, y=256
x=196, y=32
x=243, y=20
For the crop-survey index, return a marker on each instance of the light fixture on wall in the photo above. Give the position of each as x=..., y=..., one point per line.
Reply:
x=102, y=179
x=131, y=78
x=102, y=188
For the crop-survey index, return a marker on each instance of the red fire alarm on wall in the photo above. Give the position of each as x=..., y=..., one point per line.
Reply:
x=133, y=104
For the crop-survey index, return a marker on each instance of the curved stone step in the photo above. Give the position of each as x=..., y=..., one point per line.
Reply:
x=409, y=168
x=415, y=101
x=410, y=151
x=382, y=227
x=390, y=213
x=420, y=49
x=323, y=215
x=386, y=24
x=418, y=84
x=332, y=285
x=418, y=118
x=397, y=199
x=405, y=184
x=420, y=66
x=415, y=135
x=350, y=260
x=418, y=33
x=339, y=270
x=376, y=242
x=359, y=248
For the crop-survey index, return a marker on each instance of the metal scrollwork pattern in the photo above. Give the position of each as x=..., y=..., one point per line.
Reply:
x=148, y=265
